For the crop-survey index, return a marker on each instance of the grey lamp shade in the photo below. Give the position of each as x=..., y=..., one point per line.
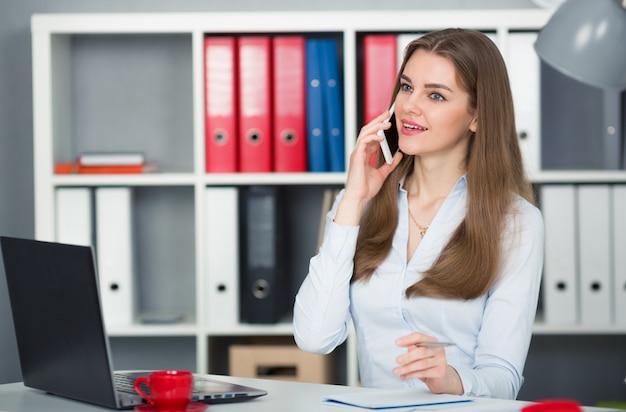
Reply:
x=586, y=40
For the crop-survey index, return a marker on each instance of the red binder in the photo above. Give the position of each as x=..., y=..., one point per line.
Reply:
x=289, y=104
x=380, y=69
x=255, y=104
x=220, y=100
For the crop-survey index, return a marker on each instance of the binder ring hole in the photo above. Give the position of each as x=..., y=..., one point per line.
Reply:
x=261, y=289
x=561, y=286
x=114, y=286
x=221, y=287
x=596, y=286
x=254, y=136
x=288, y=136
x=220, y=136
x=523, y=135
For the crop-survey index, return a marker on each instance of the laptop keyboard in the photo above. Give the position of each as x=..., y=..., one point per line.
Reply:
x=126, y=383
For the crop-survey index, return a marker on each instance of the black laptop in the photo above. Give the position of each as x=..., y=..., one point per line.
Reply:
x=61, y=339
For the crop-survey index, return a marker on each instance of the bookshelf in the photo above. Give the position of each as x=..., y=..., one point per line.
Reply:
x=77, y=60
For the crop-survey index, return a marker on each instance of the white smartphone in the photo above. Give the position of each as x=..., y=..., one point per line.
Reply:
x=389, y=144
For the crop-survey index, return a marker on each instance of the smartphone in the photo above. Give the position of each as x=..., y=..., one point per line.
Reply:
x=389, y=144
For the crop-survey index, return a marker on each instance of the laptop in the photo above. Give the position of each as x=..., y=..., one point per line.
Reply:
x=61, y=339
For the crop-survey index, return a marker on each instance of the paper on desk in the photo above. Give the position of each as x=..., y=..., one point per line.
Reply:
x=397, y=399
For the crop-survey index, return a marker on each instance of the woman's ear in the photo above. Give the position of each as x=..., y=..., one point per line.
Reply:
x=474, y=124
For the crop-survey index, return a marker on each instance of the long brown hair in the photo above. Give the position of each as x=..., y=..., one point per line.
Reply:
x=467, y=265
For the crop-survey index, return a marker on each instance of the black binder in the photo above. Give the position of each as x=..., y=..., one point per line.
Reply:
x=581, y=125
x=264, y=288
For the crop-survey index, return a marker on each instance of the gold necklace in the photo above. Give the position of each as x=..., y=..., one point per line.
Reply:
x=422, y=229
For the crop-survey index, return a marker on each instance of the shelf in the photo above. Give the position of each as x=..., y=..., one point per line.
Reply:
x=236, y=179
x=209, y=179
x=280, y=329
x=578, y=176
x=286, y=21
x=544, y=329
x=148, y=179
x=73, y=113
x=275, y=179
x=187, y=328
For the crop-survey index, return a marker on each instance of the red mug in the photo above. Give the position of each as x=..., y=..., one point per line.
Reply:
x=169, y=389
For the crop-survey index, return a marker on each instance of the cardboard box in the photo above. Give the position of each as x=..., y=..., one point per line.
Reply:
x=282, y=362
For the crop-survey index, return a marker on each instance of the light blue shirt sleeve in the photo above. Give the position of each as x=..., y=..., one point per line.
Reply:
x=492, y=333
x=322, y=306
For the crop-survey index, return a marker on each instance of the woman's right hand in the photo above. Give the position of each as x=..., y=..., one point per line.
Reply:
x=364, y=179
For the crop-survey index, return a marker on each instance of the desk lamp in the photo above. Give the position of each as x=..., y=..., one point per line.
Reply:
x=586, y=40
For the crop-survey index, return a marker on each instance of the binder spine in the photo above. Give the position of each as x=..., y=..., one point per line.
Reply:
x=333, y=105
x=379, y=73
x=255, y=104
x=289, y=141
x=316, y=126
x=560, y=279
x=74, y=216
x=220, y=82
x=595, y=254
x=114, y=247
x=264, y=289
x=222, y=257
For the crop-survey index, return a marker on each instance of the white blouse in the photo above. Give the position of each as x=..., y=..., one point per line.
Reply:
x=492, y=333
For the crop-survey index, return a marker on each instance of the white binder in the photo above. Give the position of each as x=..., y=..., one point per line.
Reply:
x=560, y=283
x=114, y=252
x=403, y=40
x=222, y=257
x=74, y=216
x=619, y=253
x=524, y=73
x=594, y=245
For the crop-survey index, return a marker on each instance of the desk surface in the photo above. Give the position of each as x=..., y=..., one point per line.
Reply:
x=281, y=397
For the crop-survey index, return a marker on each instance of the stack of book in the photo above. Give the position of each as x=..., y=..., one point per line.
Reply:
x=107, y=163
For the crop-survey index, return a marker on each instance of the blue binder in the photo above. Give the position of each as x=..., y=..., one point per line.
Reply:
x=333, y=105
x=316, y=130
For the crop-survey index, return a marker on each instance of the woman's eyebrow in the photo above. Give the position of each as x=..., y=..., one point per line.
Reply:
x=438, y=86
x=429, y=85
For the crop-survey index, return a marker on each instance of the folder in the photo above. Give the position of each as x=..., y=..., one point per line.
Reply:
x=619, y=253
x=524, y=72
x=560, y=282
x=397, y=400
x=222, y=257
x=114, y=251
x=379, y=73
x=289, y=79
x=612, y=129
x=328, y=199
x=220, y=100
x=255, y=104
x=73, y=214
x=333, y=105
x=316, y=127
x=264, y=288
x=594, y=245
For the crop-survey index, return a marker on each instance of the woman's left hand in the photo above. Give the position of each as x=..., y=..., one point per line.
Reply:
x=428, y=364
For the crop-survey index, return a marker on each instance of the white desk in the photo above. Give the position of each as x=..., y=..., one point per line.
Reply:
x=281, y=397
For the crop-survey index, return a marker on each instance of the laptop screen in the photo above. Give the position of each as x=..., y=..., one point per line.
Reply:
x=61, y=340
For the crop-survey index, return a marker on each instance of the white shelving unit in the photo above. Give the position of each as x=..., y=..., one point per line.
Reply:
x=54, y=47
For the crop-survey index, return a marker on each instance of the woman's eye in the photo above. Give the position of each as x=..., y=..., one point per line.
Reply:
x=437, y=96
x=405, y=87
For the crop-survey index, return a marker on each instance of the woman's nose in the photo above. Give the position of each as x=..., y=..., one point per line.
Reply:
x=412, y=105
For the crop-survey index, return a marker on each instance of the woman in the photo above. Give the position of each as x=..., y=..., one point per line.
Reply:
x=443, y=244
